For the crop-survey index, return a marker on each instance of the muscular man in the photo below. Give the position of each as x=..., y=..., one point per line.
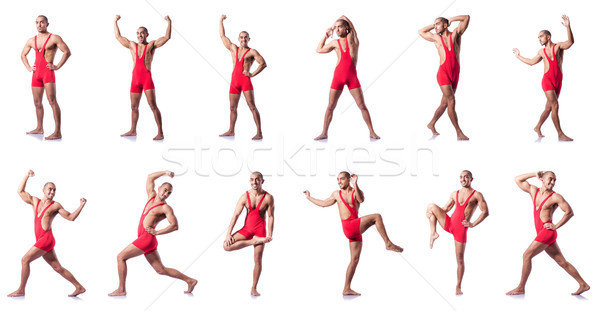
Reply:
x=45, y=45
x=258, y=204
x=346, y=48
x=44, y=211
x=155, y=210
x=552, y=54
x=142, y=53
x=459, y=222
x=243, y=57
x=448, y=47
x=545, y=202
x=353, y=225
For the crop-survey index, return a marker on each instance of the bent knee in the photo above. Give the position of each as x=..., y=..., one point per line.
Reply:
x=161, y=270
x=58, y=268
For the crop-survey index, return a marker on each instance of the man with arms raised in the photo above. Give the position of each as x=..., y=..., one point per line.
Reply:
x=448, y=47
x=552, y=54
x=243, y=57
x=155, y=210
x=258, y=204
x=44, y=211
x=459, y=222
x=545, y=202
x=142, y=53
x=43, y=72
x=352, y=225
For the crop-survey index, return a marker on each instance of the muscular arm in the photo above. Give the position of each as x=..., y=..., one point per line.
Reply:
x=150, y=181
x=450, y=204
x=124, y=41
x=463, y=23
x=570, y=40
x=173, y=225
x=521, y=181
x=24, y=53
x=62, y=46
x=565, y=207
x=271, y=213
x=239, y=207
x=162, y=40
x=261, y=63
x=71, y=216
x=529, y=61
x=484, y=212
x=323, y=48
x=322, y=203
x=21, y=190
x=226, y=42
x=426, y=34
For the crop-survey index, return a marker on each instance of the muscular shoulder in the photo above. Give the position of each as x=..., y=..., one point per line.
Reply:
x=335, y=194
x=55, y=38
x=557, y=198
x=165, y=209
x=55, y=207
x=478, y=196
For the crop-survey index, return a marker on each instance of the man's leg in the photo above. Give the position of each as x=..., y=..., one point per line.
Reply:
x=533, y=249
x=258, y=253
x=545, y=114
x=154, y=260
x=38, y=95
x=51, y=95
x=51, y=259
x=249, y=96
x=355, y=249
x=33, y=254
x=129, y=252
x=437, y=115
x=241, y=241
x=135, y=113
x=435, y=214
x=554, y=252
x=234, y=99
x=552, y=101
x=448, y=93
x=334, y=96
x=360, y=101
x=151, y=97
x=460, y=261
x=375, y=219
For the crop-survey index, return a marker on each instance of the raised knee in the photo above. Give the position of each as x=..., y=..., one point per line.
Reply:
x=227, y=248
x=527, y=256
x=120, y=257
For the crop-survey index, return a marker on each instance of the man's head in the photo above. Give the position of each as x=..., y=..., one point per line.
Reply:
x=466, y=177
x=41, y=23
x=544, y=37
x=256, y=181
x=440, y=25
x=49, y=190
x=343, y=180
x=244, y=38
x=142, y=34
x=548, y=180
x=164, y=191
x=342, y=28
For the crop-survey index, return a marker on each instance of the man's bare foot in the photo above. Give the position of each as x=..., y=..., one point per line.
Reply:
x=393, y=247
x=191, y=284
x=159, y=136
x=350, y=292
x=517, y=291
x=228, y=133
x=260, y=240
x=582, y=288
x=321, y=137
x=118, y=292
x=432, y=128
x=79, y=290
x=458, y=291
x=432, y=239
x=462, y=136
x=258, y=136
x=254, y=292
x=130, y=133
x=36, y=131
x=563, y=137
x=539, y=132
x=374, y=136
x=55, y=135
x=17, y=293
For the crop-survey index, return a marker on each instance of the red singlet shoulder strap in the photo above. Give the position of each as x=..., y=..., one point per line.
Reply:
x=261, y=200
x=536, y=193
x=36, y=207
x=245, y=55
x=144, y=52
x=44, y=47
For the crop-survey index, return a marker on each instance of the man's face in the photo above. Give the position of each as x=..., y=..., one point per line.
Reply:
x=256, y=182
x=164, y=192
x=41, y=24
x=244, y=38
x=465, y=180
x=340, y=29
x=543, y=38
x=343, y=181
x=142, y=34
x=50, y=191
x=549, y=180
x=439, y=26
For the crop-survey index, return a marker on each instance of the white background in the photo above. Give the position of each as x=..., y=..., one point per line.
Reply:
x=499, y=100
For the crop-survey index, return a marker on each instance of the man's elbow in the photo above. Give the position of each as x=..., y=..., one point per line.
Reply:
x=175, y=227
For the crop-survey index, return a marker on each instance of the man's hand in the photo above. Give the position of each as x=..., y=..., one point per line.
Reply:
x=223, y=17
x=550, y=226
x=353, y=180
x=540, y=174
x=82, y=202
x=247, y=74
x=118, y=17
x=566, y=22
x=150, y=230
x=30, y=173
x=170, y=174
x=467, y=224
x=167, y=18
x=329, y=32
x=229, y=239
x=306, y=193
x=52, y=67
x=516, y=52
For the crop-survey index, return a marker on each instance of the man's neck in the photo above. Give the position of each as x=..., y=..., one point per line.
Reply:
x=257, y=191
x=549, y=43
x=44, y=33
